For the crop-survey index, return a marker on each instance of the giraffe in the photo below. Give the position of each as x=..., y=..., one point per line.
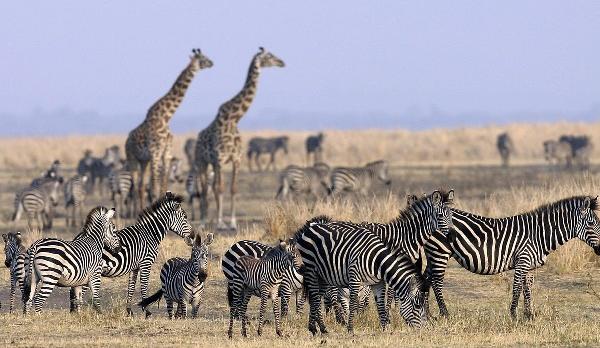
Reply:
x=151, y=141
x=220, y=142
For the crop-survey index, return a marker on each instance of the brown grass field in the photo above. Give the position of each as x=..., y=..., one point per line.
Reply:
x=566, y=292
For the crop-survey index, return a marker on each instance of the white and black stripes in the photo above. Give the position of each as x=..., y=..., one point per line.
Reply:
x=120, y=182
x=15, y=253
x=312, y=181
x=74, y=191
x=261, y=277
x=53, y=262
x=140, y=243
x=37, y=203
x=358, y=179
x=353, y=258
x=183, y=280
x=485, y=245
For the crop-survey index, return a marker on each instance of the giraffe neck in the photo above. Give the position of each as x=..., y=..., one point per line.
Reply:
x=166, y=106
x=234, y=109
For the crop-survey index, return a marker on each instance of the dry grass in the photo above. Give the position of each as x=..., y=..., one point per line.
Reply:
x=447, y=146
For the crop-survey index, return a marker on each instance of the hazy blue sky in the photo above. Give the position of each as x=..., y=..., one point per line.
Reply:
x=349, y=63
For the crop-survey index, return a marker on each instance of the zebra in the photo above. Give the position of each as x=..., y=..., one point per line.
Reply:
x=98, y=169
x=485, y=245
x=183, y=280
x=261, y=277
x=74, y=193
x=339, y=299
x=140, y=242
x=314, y=146
x=292, y=281
x=14, y=250
x=352, y=258
x=558, y=152
x=52, y=172
x=312, y=181
x=38, y=202
x=258, y=146
x=358, y=179
x=581, y=148
x=192, y=189
x=120, y=182
x=505, y=147
x=54, y=262
x=189, y=149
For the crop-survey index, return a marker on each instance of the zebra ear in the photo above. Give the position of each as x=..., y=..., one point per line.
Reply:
x=198, y=240
x=436, y=196
x=209, y=239
x=410, y=200
x=5, y=237
x=110, y=213
x=450, y=196
x=188, y=240
x=282, y=244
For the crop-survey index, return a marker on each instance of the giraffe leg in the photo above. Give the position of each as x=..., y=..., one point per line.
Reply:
x=203, y=187
x=156, y=171
x=234, y=174
x=166, y=163
x=141, y=186
x=218, y=191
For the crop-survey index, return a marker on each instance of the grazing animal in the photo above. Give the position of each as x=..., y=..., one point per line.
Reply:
x=151, y=141
x=311, y=181
x=358, y=179
x=352, y=258
x=188, y=149
x=292, y=280
x=38, y=202
x=314, y=146
x=261, y=277
x=74, y=191
x=54, y=262
x=220, y=142
x=183, y=280
x=505, y=147
x=140, y=242
x=558, y=152
x=258, y=146
x=485, y=245
x=15, y=253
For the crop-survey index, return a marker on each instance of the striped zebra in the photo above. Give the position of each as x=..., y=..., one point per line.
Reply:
x=74, y=191
x=193, y=190
x=292, y=281
x=52, y=172
x=353, y=258
x=98, y=168
x=311, y=181
x=53, y=262
x=338, y=299
x=120, y=182
x=261, y=277
x=521, y=243
x=189, y=149
x=183, y=280
x=258, y=146
x=358, y=179
x=37, y=202
x=15, y=253
x=140, y=242
x=314, y=146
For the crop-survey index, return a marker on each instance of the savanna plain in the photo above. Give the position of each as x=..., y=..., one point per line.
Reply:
x=566, y=291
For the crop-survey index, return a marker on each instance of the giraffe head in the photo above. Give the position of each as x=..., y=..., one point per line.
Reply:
x=199, y=60
x=267, y=59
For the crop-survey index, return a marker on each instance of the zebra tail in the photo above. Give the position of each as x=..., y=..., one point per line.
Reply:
x=150, y=300
x=29, y=281
x=229, y=296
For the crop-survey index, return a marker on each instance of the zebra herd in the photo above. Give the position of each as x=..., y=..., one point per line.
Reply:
x=566, y=151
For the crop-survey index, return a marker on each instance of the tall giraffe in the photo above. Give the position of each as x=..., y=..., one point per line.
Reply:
x=220, y=142
x=151, y=141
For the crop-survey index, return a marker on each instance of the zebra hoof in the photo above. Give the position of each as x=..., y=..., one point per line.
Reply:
x=148, y=314
x=129, y=312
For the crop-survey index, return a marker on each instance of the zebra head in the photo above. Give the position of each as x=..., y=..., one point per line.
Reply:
x=110, y=238
x=176, y=218
x=379, y=170
x=588, y=224
x=267, y=59
x=199, y=60
x=200, y=251
x=13, y=245
x=296, y=258
x=441, y=206
x=413, y=298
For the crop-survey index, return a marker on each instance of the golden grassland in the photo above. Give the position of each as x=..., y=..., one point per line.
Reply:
x=446, y=146
x=566, y=292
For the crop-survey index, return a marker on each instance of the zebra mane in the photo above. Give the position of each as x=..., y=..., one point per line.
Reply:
x=409, y=210
x=89, y=220
x=594, y=204
x=320, y=219
x=168, y=198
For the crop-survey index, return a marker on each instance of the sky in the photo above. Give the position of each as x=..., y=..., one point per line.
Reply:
x=93, y=67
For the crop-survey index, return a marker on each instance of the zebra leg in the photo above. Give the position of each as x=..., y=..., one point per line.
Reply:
x=264, y=297
x=314, y=300
x=379, y=292
x=195, y=306
x=527, y=298
x=95, y=289
x=243, y=311
x=285, y=293
x=518, y=279
x=144, y=280
x=182, y=309
x=42, y=292
x=76, y=299
x=130, y=289
x=169, y=302
x=277, y=314
x=354, y=289
x=300, y=300
x=436, y=269
x=13, y=291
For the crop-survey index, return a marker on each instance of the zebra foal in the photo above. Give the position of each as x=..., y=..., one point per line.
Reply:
x=54, y=262
x=183, y=280
x=15, y=255
x=261, y=277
